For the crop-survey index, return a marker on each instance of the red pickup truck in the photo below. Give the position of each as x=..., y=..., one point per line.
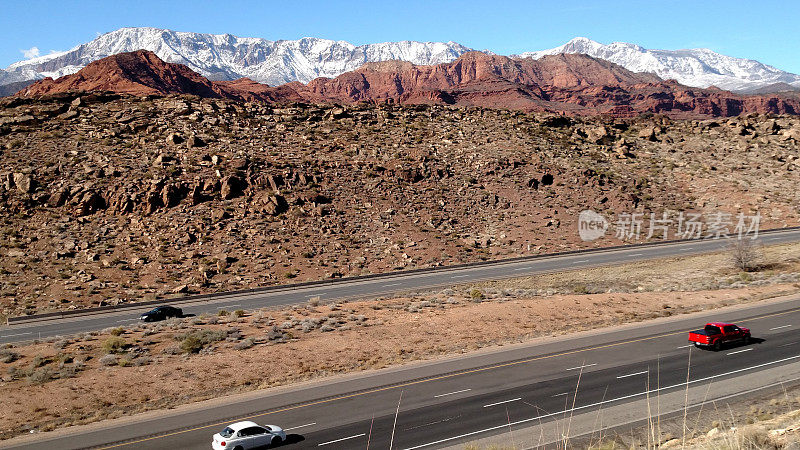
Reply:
x=716, y=334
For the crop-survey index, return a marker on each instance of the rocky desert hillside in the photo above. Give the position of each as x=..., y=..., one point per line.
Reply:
x=109, y=198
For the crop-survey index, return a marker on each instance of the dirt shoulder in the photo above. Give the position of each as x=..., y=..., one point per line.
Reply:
x=157, y=366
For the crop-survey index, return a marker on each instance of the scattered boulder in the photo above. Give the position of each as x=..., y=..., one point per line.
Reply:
x=59, y=197
x=195, y=141
x=24, y=183
x=174, y=139
x=232, y=187
x=90, y=203
x=648, y=133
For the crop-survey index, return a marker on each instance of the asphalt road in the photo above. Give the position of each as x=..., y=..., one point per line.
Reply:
x=383, y=285
x=454, y=401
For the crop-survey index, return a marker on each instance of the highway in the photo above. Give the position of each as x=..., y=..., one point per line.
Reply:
x=383, y=285
x=453, y=401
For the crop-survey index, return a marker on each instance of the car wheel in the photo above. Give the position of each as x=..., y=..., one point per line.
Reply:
x=276, y=441
x=717, y=345
x=746, y=339
x=238, y=447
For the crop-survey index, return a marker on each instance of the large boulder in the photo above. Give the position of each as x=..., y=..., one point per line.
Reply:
x=90, y=203
x=232, y=187
x=24, y=183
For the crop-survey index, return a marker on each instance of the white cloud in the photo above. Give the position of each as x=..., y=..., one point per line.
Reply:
x=32, y=52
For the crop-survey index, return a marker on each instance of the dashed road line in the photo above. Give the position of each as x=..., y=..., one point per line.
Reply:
x=778, y=328
x=18, y=334
x=740, y=351
x=342, y=439
x=504, y=401
x=300, y=426
x=459, y=276
x=581, y=367
x=451, y=393
x=633, y=374
x=392, y=284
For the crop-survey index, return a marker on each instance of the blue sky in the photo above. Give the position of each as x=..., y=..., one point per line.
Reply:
x=767, y=32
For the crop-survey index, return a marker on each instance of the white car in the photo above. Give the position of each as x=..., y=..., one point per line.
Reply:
x=246, y=435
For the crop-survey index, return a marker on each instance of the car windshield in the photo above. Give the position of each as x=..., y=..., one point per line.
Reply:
x=227, y=432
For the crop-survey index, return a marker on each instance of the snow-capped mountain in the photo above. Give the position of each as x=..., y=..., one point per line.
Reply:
x=227, y=57
x=695, y=67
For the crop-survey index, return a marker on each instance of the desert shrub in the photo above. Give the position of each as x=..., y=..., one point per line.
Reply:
x=194, y=341
x=125, y=361
x=8, y=356
x=39, y=361
x=114, y=344
x=60, y=344
x=745, y=254
x=238, y=313
x=108, y=360
x=222, y=312
x=476, y=295
x=141, y=361
x=68, y=372
x=117, y=331
x=245, y=344
x=40, y=375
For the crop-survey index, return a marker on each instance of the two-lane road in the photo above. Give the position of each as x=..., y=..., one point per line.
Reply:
x=385, y=284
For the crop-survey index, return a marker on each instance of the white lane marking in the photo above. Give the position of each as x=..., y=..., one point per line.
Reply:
x=592, y=405
x=342, y=439
x=772, y=238
x=127, y=320
x=581, y=367
x=632, y=374
x=18, y=334
x=523, y=268
x=790, y=343
x=636, y=254
x=228, y=306
x=739, y=351
x=504, y=401
x=684, y=346
x=451, y=393
x=300, y=426
x=391, y=284
x=582, y=261
x=778, y=328
x=563, y=393
x=688, y=248
x=459, y=276
x=315, y=295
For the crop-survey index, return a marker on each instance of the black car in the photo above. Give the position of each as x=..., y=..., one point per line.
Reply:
x=161, y=313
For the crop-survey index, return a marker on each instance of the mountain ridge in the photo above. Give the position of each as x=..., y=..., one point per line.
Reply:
x=700, y=67
x=571, y=84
